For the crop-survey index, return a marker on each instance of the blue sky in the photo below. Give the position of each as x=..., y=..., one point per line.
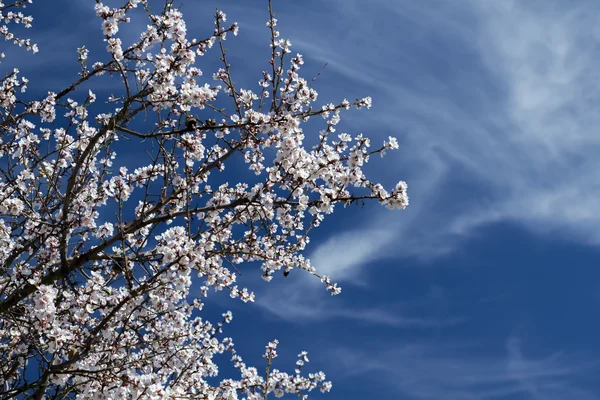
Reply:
x=487, y=286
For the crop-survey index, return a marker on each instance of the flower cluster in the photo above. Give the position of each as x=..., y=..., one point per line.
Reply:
x=16, y=18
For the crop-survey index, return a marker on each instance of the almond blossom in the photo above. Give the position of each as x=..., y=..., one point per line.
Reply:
x=104, y=267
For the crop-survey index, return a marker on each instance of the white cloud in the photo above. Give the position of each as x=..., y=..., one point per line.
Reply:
x=341, y=256
x=548, y=62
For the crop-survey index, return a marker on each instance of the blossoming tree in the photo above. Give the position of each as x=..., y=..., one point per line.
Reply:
x=103, y=269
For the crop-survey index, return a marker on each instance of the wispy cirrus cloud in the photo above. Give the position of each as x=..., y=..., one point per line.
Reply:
x=300, y=301
x=423, y=371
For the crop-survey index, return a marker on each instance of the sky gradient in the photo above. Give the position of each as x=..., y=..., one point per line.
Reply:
x=487, y=285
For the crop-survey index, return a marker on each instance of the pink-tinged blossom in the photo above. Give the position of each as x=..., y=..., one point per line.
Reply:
x=45, y=308
x=105, y=230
